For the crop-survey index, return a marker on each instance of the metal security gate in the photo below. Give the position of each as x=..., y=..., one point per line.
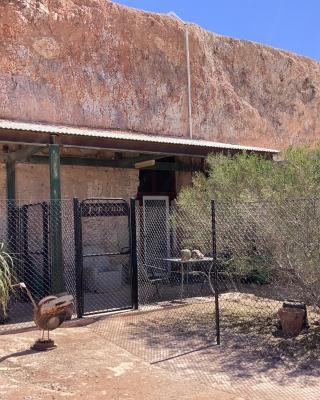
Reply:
x=103, y=255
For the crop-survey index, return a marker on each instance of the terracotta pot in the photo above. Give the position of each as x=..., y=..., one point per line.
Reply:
x=291, y=320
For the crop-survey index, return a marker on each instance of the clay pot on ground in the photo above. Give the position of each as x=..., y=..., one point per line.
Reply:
x=291, y=320
x=300, y=306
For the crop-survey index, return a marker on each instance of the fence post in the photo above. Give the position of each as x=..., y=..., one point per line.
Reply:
x=78, y=256
x=55, y=219
x=11, y=207
x=45, y=248
x=133, y=254
x=215, y=270
x=24, y=259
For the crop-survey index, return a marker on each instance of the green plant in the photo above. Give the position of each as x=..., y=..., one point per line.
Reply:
x=251, y=177
x=249, y=269
x=267, y=216
x=6, y=279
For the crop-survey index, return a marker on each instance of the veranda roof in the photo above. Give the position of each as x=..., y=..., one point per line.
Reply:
x=38, y=133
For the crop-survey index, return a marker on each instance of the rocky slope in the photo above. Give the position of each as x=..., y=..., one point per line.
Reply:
x=95, y=63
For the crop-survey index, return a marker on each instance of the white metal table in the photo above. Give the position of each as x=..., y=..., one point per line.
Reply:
x=184, y=265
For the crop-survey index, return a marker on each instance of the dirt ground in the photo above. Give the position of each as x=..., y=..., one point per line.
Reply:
x=86, y=365
x=168, y=352
x=252, y=359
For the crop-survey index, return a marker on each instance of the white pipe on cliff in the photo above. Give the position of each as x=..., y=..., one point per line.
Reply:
x=174, y=15
x=189, y=84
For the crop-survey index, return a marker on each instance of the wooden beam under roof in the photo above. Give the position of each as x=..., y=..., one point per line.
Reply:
x=100, y=162
x=129, y=162
x=24, y=154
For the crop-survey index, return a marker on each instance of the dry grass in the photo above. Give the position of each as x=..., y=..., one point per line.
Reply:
x=182, y=339
x=246, y=321
x=254, y=320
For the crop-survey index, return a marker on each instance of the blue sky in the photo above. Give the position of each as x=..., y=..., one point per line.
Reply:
x=293, y=25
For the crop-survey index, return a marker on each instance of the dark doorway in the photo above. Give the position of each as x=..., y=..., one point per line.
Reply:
x=157, y=183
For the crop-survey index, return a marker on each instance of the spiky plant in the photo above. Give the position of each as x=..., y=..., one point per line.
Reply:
x=6, y=279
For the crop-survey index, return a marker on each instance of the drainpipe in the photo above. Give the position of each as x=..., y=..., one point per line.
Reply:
x=175, y=16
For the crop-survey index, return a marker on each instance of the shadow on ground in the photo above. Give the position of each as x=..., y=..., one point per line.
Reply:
x=252, y=357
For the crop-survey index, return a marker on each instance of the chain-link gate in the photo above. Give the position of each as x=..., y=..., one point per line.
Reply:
x=103, y=255
x=176, y=303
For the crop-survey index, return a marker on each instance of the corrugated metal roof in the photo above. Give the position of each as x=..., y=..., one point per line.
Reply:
x=125, y=135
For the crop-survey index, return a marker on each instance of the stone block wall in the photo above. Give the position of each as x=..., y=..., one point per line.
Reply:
x=76, y=181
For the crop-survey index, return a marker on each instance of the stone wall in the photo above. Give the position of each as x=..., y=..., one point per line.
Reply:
x=76, y=181
x=95, y=63
x=109, y=234
x=32, y=182
x=103, y=234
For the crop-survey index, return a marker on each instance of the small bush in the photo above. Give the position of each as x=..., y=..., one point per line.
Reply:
x=267, y=215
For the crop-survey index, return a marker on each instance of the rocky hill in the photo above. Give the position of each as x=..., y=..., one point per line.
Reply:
x=95, y=63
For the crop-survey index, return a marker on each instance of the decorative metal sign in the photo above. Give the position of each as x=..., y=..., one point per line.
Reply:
x=101, y=209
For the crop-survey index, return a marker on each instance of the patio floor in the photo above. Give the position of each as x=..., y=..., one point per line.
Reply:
x=85, y=365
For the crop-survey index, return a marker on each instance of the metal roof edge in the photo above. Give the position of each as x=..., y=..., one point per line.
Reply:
x=124, y=135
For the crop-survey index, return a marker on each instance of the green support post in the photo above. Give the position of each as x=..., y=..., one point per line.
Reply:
x=11, y=206
x=11, y=180
x=55, y=219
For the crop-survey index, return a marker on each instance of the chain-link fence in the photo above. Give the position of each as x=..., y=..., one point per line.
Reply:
x=79, y=247
x=93, y=259
x=248, y=270
x=259, y=257
x=163, y=237
x=269, y=280
x=40, y=239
